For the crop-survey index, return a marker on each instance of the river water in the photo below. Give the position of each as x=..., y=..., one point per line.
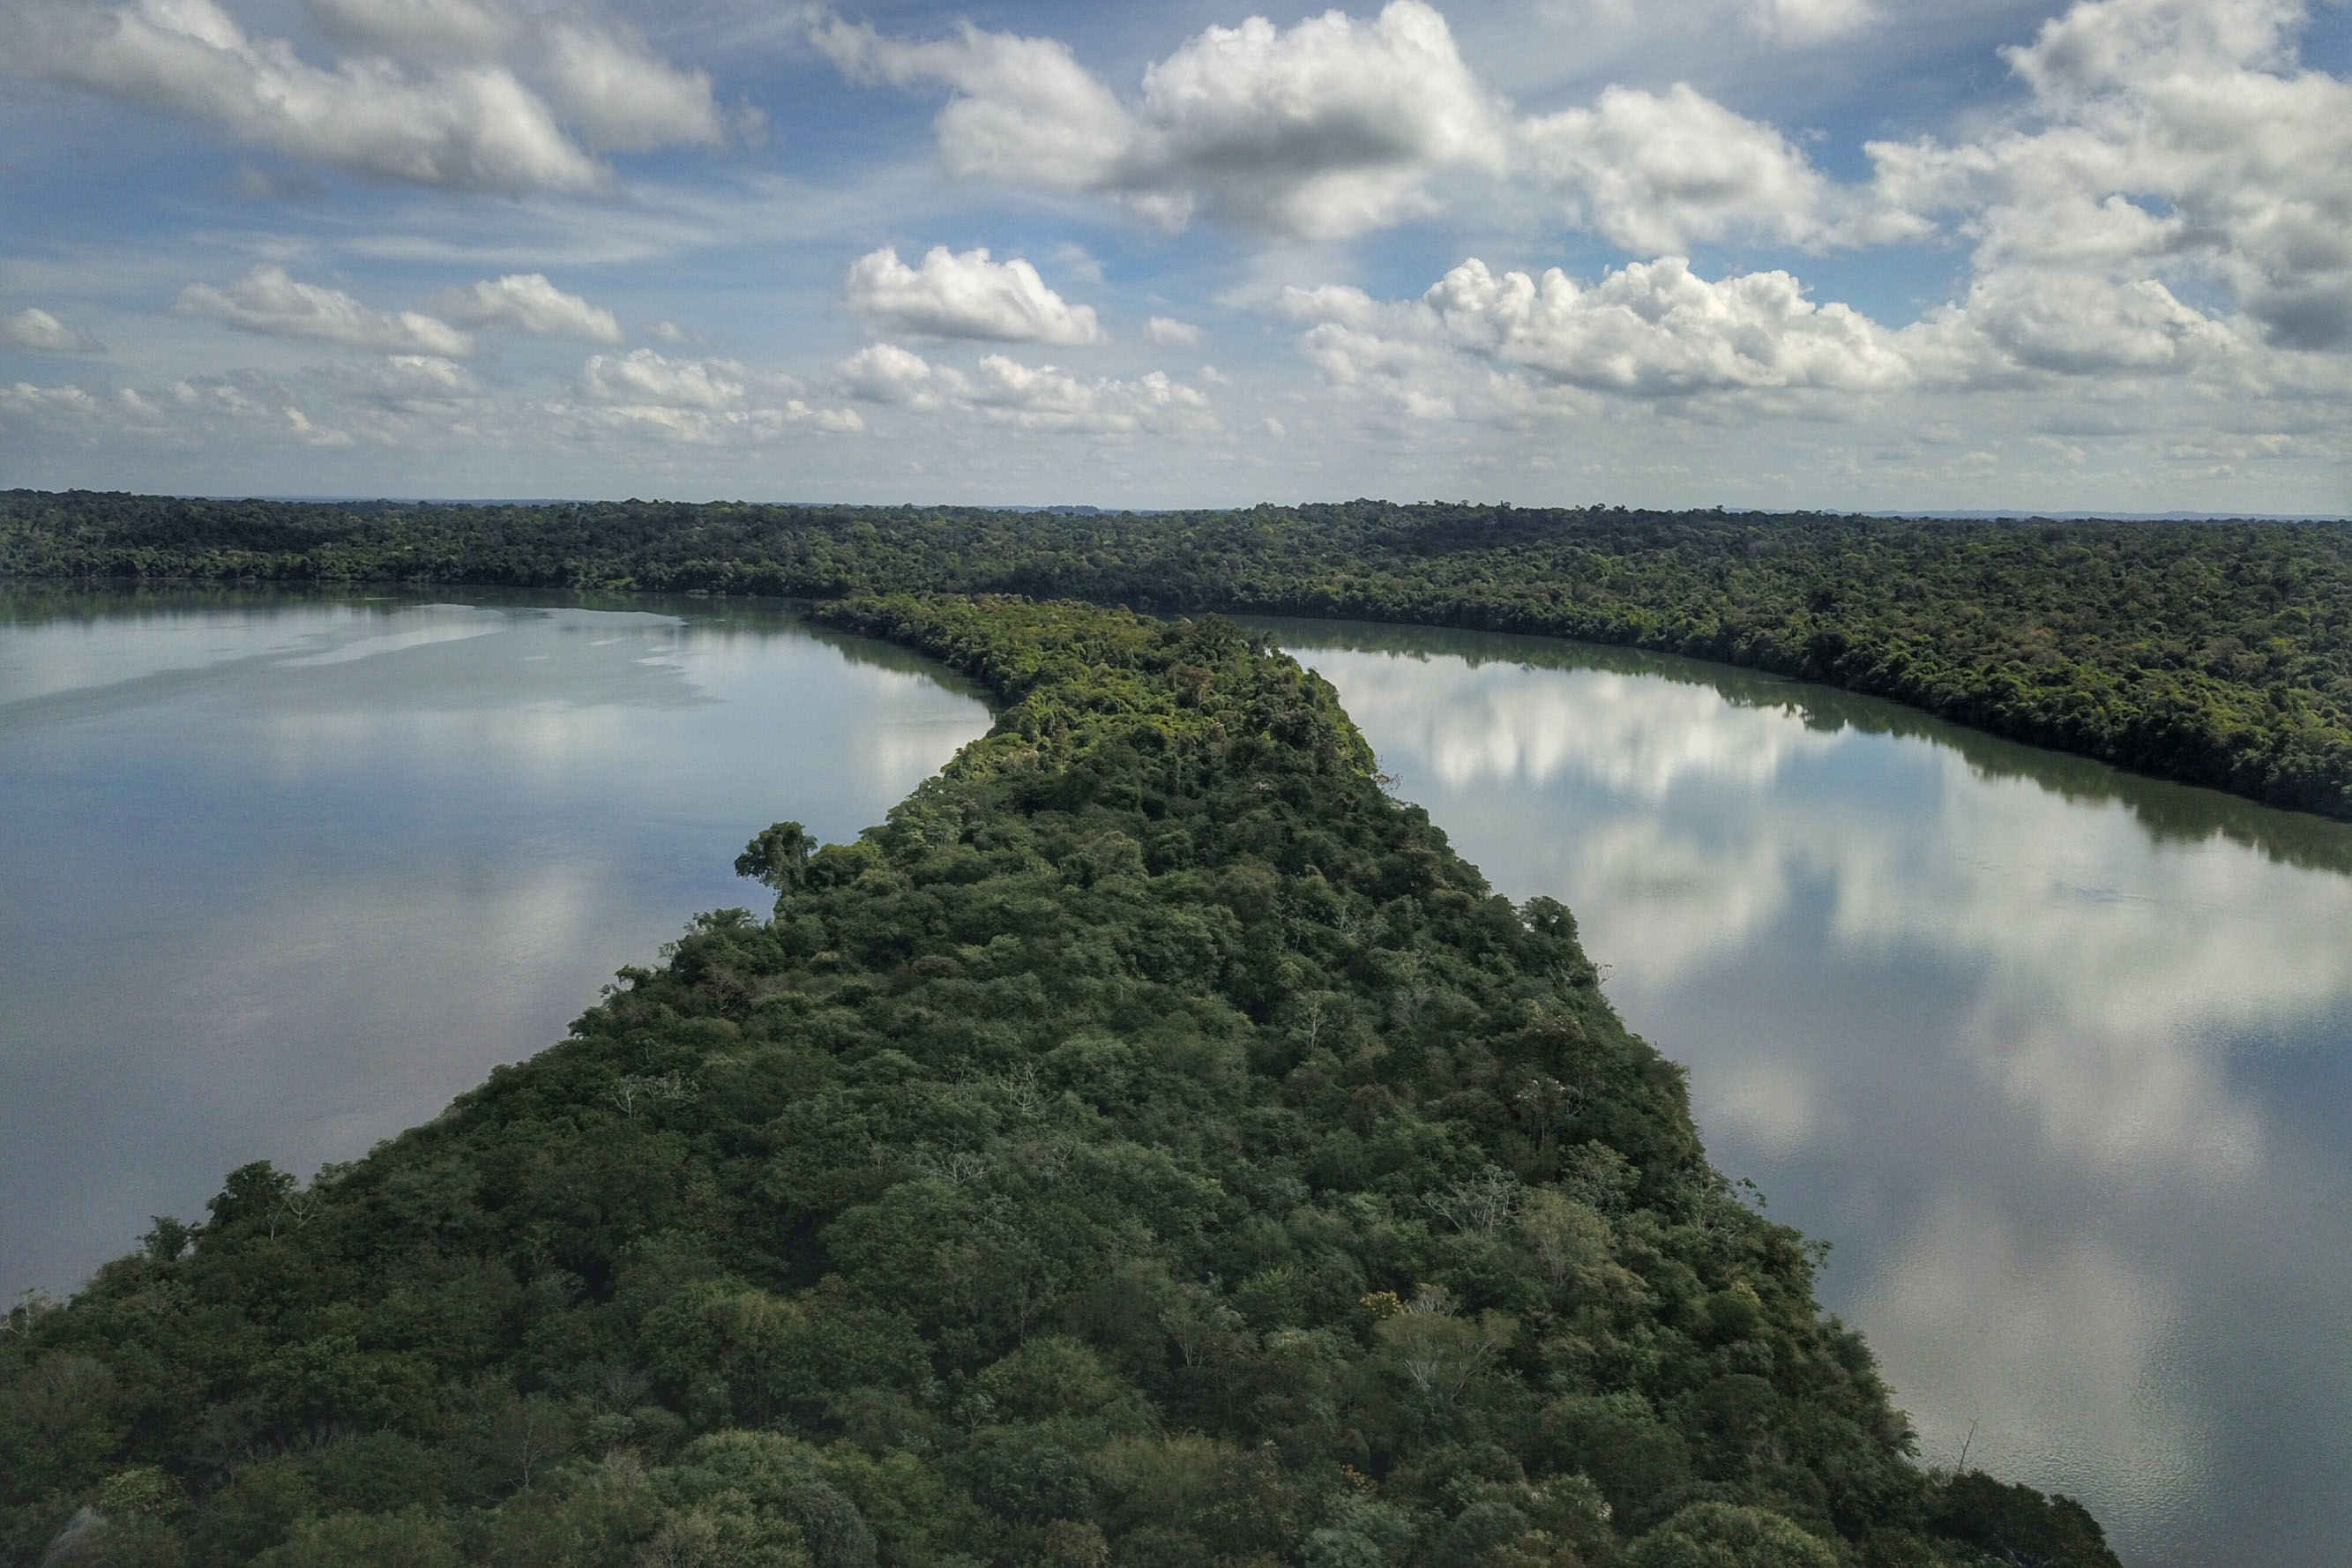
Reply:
x=280, y=877
x=2060, y=1060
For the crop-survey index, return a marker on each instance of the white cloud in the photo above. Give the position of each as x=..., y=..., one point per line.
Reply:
x=268, y=300
x=2073, y=323
x=528, y=302
x=2165, y=140
x=1658, y=328
x=431, y=97
x=1341, y=125
x=468, y=127
x=35, y=328
x=1170, y=333
x=885, y=373
x=622, y=96
x=1506, y=347
x=1325, y=130
x=1647, y=330
x=1003, y=390
x=1655, y=172
x=1043, y=397
x=966, y=296
x=644, y=376
x=698, y=402
x=1328, y=129
x=1025, y=110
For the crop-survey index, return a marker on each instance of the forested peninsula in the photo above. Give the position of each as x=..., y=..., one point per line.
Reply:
x=1152, y=1145
x=2216, y=654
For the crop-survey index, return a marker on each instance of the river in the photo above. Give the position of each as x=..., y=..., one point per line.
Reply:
x=2059, y=1060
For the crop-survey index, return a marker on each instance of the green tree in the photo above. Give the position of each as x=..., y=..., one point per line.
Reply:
x=778, y=857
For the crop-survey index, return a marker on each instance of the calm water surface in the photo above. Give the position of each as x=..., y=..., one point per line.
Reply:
x=279, y=878
x=2059, y=1059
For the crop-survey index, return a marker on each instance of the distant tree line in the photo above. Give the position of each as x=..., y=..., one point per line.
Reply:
x=1153, y=1146
x=2217, y=654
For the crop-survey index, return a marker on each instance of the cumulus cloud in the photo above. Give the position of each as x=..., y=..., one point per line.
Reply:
x=268, y=300
x=1659, y=328
x=1510, y=348
x=1647, y=330
x=2177, y=135
x=1327, y=129
x=1003, y=390
x=2072, y=323
x=1044, y=398
x=2165, y=140
x=1655, y=171
x=2166, y=205
x=435, y=94
x=1170, y=333
x=528, y=302
x=1341, y=125
x=645, y=375
x=699, y=402
x=35, y=328
x=1023, y=111
x=472, y=126
x=625, y=99
x=1330, y=128
x=966, y=296
x=885, y=373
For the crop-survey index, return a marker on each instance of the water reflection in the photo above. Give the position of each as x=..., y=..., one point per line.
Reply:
x=2057, y=1057
x=280, y=876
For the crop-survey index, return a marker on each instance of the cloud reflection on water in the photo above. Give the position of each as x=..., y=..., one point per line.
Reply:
x=2054, y=1343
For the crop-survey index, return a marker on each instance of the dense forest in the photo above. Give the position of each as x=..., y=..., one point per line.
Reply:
x=1152, y=1146
x=2218, y=654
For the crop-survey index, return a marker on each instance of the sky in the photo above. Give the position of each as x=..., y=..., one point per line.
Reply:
x=1882, y=255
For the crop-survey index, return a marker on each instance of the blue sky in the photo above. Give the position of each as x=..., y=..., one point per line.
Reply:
x=1823, y=253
